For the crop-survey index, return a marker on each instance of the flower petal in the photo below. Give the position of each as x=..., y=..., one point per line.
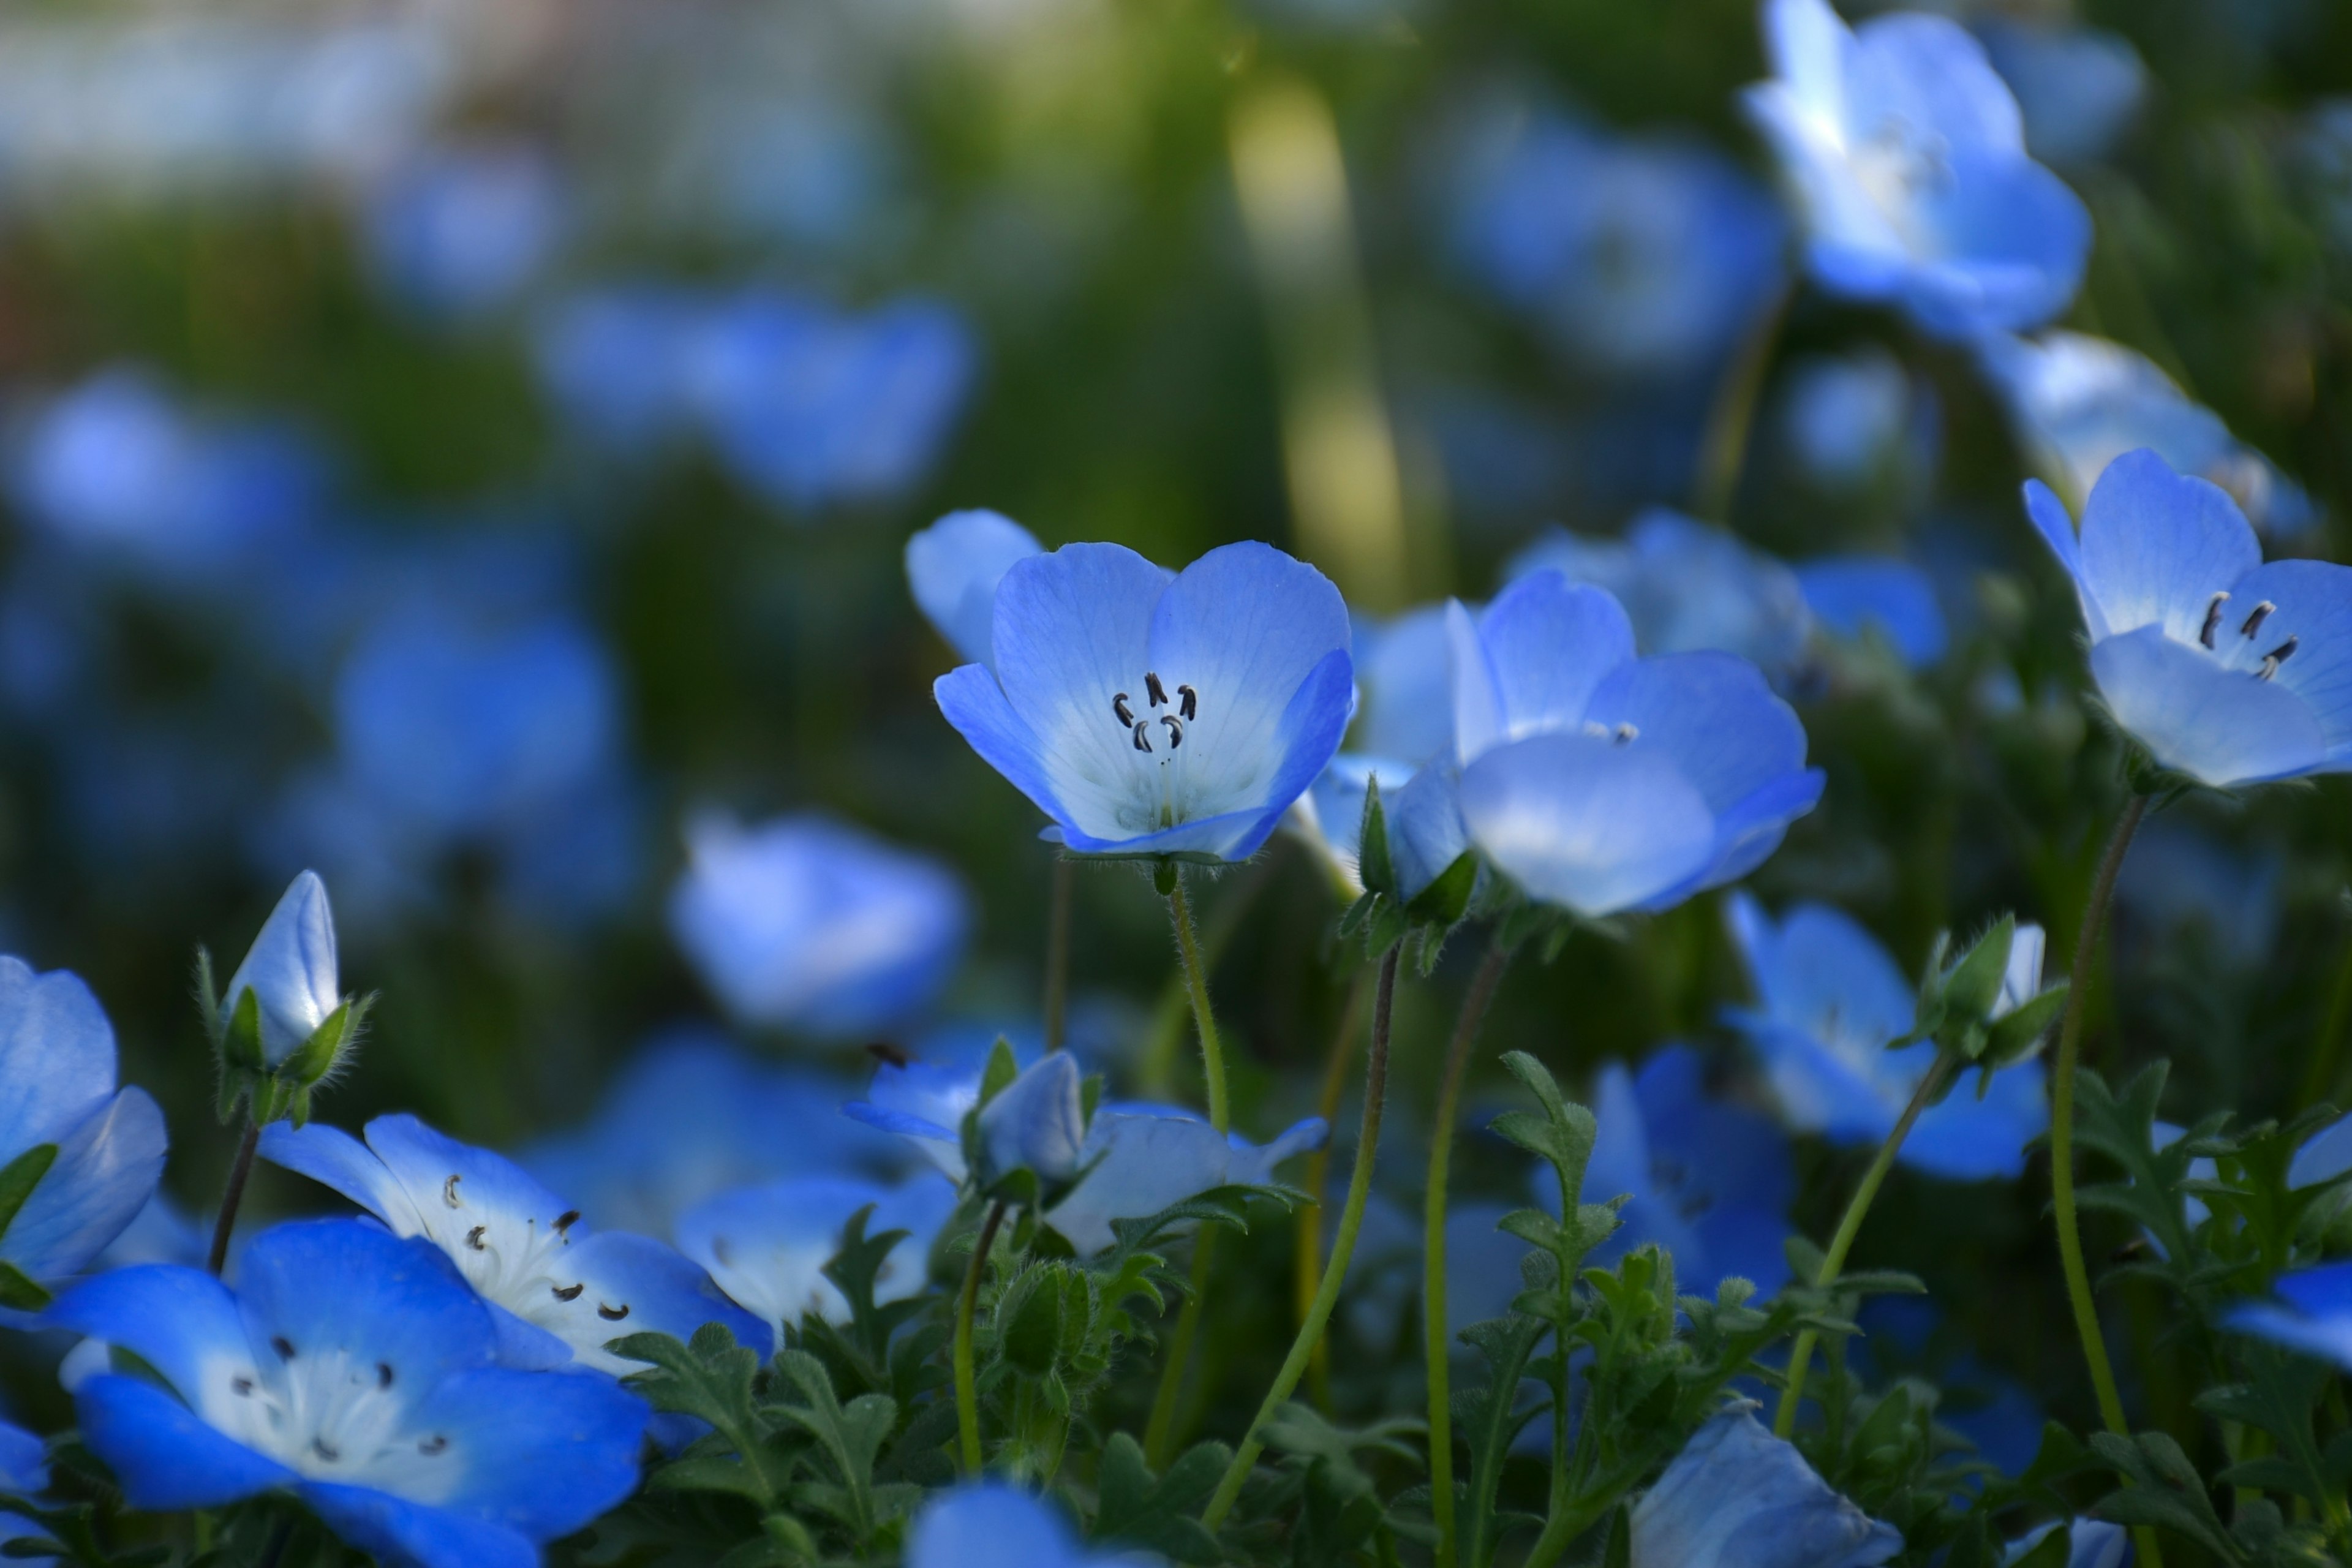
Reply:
x=166, y=1457
x=1546, y=644
x=2313, y=602
x=106, y=1171
x=334, y=1158
x=182, y=1321
x=2157, y=547
x=767, y=1245
x=401, y=1532
x=57, y=1056
x=1930, y=74
x=1585, y=823
x=1711, y=713
x=2219, y=726
x=325, y=1285
x=954, y=567
x=655, y=1289
x=541, y=1453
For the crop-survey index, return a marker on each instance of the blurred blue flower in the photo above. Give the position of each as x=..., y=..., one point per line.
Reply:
x=1708, y=1181
x=767, y=1245
x=2228, y=671
x=24, y=1470
x=1850, y=419
x=924, y=1102
x=2090, y=1544
x=809, y=924
x=355, y=1370
x=2078, y=403
x=1852, y=594
x=1329, y=817
x=290, y=969
x=2313, y=1313
x=1737, y=1497
x=1604, y=783
x=58, y=1091
x=1154, y=713
x=461, y=232
x=953, y=567
x=1686, y=586
x=1644, y=258
x=1903, y=1336
x=987, y=1524
x=1140, y=1159
x=2079, y=88
x=558, y=1289
x=1830, y=1002
x=1907, y=154
x=1405, y=708
x=612, y=361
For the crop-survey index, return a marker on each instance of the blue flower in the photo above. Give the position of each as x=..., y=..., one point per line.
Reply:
x=24, y=1470
x=290, y=969
x=2313, y=1313
x=1151, y=713
x=2090, y=1544
x=987, y=1524
x=1852, y=594
x=1708, y=1181
x=2078, y=403
x=1329, y=817
x=1139, y=1159
x=767, y=1245
x=1604, y=783
x=1037, y=1122
x=354, y=1369
x=2228, y=671
x=1907, y=154
x=924, y=1102
x=2078, y=89
x=1406, y=709
x=558, y=1289
x=58, y=1090
x=462, y=231
x=1850, y=420
x=1831, y=1001
x=612, y=361
x=1737, y=1497
x=954, y=566
x=806, y=923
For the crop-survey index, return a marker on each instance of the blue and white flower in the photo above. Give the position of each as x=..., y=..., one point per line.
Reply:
x=2226, y=670
x=953, y=567
x=1737, y=1497
x=2313, y=1313
x=767, y=1247
x=290, y=969
x=1153, y=713
x=987, y=1524
x=1139, y=1159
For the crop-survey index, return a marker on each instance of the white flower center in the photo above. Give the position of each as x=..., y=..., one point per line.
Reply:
x=331, y=1416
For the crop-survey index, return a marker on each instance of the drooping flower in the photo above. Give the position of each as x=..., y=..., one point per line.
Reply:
x=806, y=923
x=953, y=567
x=2313, y=1313
x=57, y=1093
x=558, y=1289
x=1151, y=713
x=1830, y=1002
x=1603, y=782
x=1737, y=1497
x=987, y=1524
x=767, y=1245
x=1139, y=1159
x=1907, y=155
x=2227, y=670
x=354, y=1369
x=290, y=969
x=1036, y=1122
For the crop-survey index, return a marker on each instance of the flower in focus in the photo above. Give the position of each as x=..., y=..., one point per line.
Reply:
x=355, y=1370
x=290, y=969
x=461, y=232
x=1157, y=713
x=987, y=1524
x=1737, y=1497
x=809, y=924
x=767, y=1247
x=95, y=1152
x=954, y=566
x=1907, y=154
x=1830, y=1002
x=1603, y=782
x=1140, y=1159
x=2313, y=1313
x=2225, y=669
x=557, y=1289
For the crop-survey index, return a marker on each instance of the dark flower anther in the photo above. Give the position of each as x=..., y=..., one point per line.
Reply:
x=2276, y=657
x=1143, y=735
x=611, y=1314
x=2212, y=618
x=283, y=1346
x=568, y=1292
x=383, y=1375
x=1153, y=689
x=1118, y=706
x=1191, y=701
x=1175, y=729
x=566, y=1220
x=449, y=1192
x=2255, y=622
x=474, y=1238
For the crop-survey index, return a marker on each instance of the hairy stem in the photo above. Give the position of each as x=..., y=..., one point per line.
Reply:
x=967, y=1393
x=1196, y=981
x=1057, y=951
x=1309, y=1251
x=233, y=1195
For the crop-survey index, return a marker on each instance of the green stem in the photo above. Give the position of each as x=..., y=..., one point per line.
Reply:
x=2320, y=1081
x=1343, y=1248
x=1058, y=953
x=1436, y=1344
x=1858, y=1206
x=2061, y=1149
x=1164, y=1043
x=1159, y=1433
x=1309, y=1254
x=1733, y=415
x=967, y=1393
x=233, y=1195
x=1196, y=981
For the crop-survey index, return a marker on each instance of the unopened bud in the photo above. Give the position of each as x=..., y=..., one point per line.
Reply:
x=291, y=971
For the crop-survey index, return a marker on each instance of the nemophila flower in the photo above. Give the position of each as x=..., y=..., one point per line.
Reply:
x=612, y=360
x=2090, y=1544
x=2312, y=1313
x=1707, y=1180
x=354, y=1369
x=1603, y=782
x=1405, y=701
x=290, y=969
x=2078, y=89
x=1850, y=420
x=1737, y=1497
x=24, y=1470
x=1907, y=155
x=104, y=1146
x=767, y=1247
x=953, y=567
x=925, y=1104
x=2077, y=402
x=1156, y=713
x=1851, y=595
x=1037, y=1122
x=1139, y=1159
x=559, y=1289
x=2225, y=669
x=987, y=1524
x=461, y=232
x=806, y=923
x=1830, y=1001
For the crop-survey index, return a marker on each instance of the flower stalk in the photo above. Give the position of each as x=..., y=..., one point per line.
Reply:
x=967, y=1391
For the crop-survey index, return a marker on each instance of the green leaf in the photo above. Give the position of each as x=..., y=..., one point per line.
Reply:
x=998, y=1074
x=1158, y=1515
x=313, y=1061
x=241, y=1046
x=2019, y=1034
x=850, y=1435
x=1974, y=985
x=20, y=1290
x=19, y=1177
x=1375, y=867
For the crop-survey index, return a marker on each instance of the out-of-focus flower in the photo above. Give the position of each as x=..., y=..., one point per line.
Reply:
x=559, y=1289
x=1737, y=1497
x=1603, y=782
x=2226, y=670
x=1139, y=1159
x=613, y=360
x=290, y=969
x=1831, y=1001
x=1708, y=1181
x=767, y=1247
x=24, y=1470
x=953, y=567
x=1852, y=594
x=925, y=1102
x=1907, y=154
x=57, y=1092
x=2078, y=403
x=2079, y=88
x=1405, y=708
x=1850, y=420
x=2313, y=1313
x=461, y=232
x=356, y=1371
x=808, y=924
x=1639, y=257
x=1156, y=713
x=987, y=1524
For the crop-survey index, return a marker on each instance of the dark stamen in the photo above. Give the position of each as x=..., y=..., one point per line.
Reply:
x=566, y=1220
x=2276, y=657
x=1175, y=729
x=2254, y=621
x=449, y=1191
x=241, y=1387
x=1153, y=689
x=1192, y=700
x=1118, y=706
x=883, y=1051
x=568, y=1292
x=611, y=1314
x=383, y=1375
x=319, y=1446
x=432, y=1445
x=474, y=1238
x=1626, y=732
x=1142, y=735
x=2212, y=618
x=283, y=1346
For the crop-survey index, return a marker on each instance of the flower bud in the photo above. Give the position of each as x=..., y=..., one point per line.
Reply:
x=1037, y=1123
x=290, y=969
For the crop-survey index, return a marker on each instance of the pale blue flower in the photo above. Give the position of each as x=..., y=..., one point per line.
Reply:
x=1405, y=707
x=354, y=1369
x=290, y=969
x=1852, y=594
x=987, y=1524
x=461, y=232
x=1907, y=154
x=806, y=923
x=2078, y=87
x=1737, y=1497
x=954, y=566
x=559, y=1289
x=767, y=1247
x=612, y=361
x=924, y=1102
x=1037, y=1122
x=1139, y=1159
x=1830, y=1001
x=2313, y=1313
x=2227, y=670
x=1153, y=713
x=1848, y=419
x=1604, y=783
